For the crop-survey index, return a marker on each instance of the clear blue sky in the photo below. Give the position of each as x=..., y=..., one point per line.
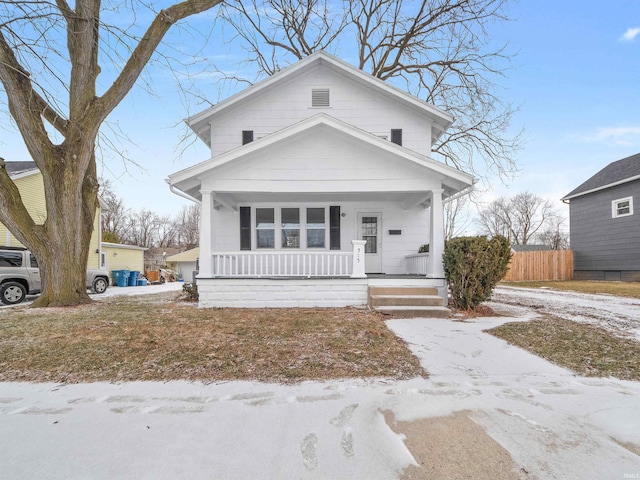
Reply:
x=576, y=79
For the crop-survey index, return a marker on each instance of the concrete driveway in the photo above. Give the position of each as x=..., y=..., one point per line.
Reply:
x=549, y=422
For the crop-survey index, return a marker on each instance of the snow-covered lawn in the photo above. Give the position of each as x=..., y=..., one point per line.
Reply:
x=114, y=291
x=618, y=315
x=553, y=423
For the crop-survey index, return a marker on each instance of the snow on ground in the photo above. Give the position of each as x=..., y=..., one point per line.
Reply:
x=114, y=291
x=617, y=314
x=552, y=422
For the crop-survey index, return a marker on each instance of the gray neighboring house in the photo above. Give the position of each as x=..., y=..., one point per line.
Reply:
x=605, y=223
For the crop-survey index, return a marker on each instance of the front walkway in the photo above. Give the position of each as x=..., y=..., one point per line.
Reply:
x=552, y=423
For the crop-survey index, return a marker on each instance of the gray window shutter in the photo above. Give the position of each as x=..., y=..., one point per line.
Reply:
x=334, y=228
x=247, y=136
x=396, y=136
x=245, y=228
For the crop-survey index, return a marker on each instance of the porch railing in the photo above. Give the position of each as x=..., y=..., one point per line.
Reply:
x=282, y=264
x=417, y=263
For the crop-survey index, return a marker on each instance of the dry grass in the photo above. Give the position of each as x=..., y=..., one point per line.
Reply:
x=585, y=349
x=153, y=337
x=620, y=289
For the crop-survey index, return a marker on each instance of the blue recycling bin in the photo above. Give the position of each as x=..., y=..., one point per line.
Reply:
x=142, y=282
x=120, y=277
x=133, y=278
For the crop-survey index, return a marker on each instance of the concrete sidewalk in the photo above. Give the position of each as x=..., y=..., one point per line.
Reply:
x=552, y=423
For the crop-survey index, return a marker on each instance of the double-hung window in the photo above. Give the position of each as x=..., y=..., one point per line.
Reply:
x=265, y=228
x=290, y=227
x=316, y=227
x=622, y=207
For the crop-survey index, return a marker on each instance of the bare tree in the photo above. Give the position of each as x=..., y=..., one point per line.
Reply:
x=165, y=231
x=142, y=228
x=456, y=218
x=49, y=71
x=518, y=218
x=114, y=213
x=187, y=225
x=440, y=50
x=554, y=235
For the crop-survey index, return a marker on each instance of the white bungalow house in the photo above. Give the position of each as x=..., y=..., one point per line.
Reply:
x=319, y=186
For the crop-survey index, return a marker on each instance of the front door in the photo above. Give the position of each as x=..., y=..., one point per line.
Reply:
x=370, y=229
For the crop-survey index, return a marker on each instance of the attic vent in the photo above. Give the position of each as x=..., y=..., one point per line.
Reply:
x=320, y=97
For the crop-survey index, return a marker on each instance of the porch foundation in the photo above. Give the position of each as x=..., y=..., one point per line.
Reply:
x=302, y=292
x=281, y=293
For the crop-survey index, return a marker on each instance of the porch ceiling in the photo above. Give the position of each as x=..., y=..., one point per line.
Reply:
x=408, y=199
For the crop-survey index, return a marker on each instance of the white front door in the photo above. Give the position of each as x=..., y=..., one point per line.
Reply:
x=370, y=229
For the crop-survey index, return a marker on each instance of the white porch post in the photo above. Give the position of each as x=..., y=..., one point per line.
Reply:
x=206, y=236
x=358, y=259
x=436, y=238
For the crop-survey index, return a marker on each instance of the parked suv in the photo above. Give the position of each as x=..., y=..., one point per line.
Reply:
x=20, y=275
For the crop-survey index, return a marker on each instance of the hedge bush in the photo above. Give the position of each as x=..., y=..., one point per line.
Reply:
x=191, y=291
x=473, y=266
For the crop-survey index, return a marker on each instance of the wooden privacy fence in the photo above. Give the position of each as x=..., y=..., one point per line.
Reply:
x=540, y=266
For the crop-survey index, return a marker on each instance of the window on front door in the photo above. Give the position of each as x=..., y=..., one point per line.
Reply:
x=370, y=234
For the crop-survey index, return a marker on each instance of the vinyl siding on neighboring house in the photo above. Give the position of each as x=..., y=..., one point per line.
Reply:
x=606, y=247
x=94, y=245
x=31, y=188
x=123, y=257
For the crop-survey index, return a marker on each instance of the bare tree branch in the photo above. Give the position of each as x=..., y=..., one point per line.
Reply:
x=437, y=49
x=518, y=218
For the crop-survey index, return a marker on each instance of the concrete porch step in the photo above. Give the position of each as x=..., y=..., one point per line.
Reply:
x=406, y=300
x=383, y=290
x=413, y=312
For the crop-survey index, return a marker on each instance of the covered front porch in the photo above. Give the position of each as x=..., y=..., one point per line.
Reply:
x=348, y=235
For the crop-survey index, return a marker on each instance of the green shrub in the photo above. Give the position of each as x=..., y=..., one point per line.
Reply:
x=191, y=291
x=473, y=266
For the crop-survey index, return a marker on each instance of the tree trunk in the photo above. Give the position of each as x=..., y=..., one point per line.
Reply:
x=61, y=243
x=71, y=196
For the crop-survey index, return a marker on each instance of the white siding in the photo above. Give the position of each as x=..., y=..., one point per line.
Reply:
x=320, y=160
x=289, y=102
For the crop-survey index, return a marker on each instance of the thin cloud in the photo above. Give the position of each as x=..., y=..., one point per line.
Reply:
x=623, y=136
x=630, y=35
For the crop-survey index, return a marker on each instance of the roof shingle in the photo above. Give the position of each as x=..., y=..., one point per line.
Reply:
x=613, y=173
x=14, y=168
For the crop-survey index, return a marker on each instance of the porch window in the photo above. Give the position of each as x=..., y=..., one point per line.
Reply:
x=265, y=228
x=622, y=207
x=290, y=227
x=315, y=227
